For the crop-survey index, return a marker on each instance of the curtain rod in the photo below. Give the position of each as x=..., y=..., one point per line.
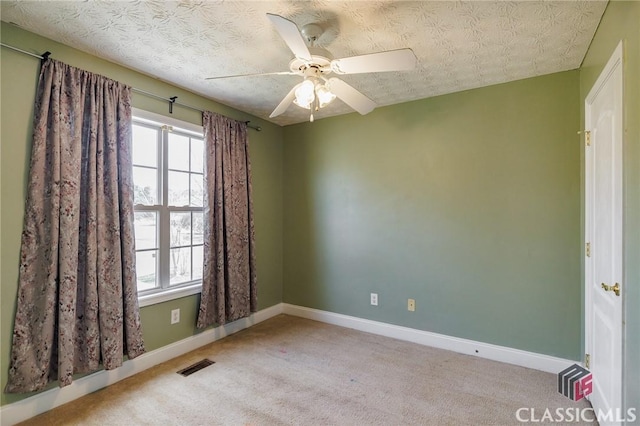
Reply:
x=172, y=100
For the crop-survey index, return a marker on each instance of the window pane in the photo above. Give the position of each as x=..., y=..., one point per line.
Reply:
x=178, y=152
x=180, y=229
x=197, y=155
x=146, y=269
x=146, y=230
x=145, y=186
x=198, y=228
x=178, y=189
x=197, y=192
x=197, y=262
x=145, y=146
x=180, y=266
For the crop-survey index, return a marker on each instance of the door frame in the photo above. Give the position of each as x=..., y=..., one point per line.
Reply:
x=614, y=64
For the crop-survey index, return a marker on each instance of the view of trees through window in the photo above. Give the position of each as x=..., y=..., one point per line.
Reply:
x=168, y=181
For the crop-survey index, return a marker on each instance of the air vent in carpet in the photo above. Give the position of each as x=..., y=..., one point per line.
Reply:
x=195, y=367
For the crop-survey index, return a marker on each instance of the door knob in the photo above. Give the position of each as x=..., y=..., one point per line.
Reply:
x=614, y=288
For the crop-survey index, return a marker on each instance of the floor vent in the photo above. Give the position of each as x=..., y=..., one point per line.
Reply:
x=195, y=367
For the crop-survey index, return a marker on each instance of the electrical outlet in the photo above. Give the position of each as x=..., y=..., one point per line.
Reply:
x=175, y=316
x=374, y=299
x=411, y=305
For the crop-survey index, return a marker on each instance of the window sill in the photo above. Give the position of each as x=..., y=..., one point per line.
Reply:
x=169, y=294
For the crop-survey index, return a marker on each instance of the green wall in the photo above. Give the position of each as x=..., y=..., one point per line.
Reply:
x=468, y=203
x=19, y=75
x=621, y=21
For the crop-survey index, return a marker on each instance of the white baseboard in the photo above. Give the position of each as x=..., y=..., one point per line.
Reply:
x=11, y=414
x=504, y=354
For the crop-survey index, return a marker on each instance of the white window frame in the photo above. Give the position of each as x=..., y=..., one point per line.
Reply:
x=159, y=295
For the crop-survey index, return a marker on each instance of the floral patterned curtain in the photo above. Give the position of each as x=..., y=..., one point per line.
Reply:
x=77, y=297
x=229, y=289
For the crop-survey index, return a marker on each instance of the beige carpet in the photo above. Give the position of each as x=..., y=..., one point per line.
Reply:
x=294, y=371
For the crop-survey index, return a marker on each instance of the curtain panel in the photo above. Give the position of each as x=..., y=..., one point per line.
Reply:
x=77, y=302
x=229, y=290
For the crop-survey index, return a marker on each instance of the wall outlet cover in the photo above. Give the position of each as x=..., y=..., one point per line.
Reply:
x=175, y=316
x=374, y=299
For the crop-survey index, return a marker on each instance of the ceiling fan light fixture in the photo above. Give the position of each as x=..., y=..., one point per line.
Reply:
x=305, y=94
x=311, y=93
x=325, y=97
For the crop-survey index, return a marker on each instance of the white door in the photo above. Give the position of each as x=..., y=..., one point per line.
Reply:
x=603, y=221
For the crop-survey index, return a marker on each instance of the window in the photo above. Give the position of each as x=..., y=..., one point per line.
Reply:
x=168, y=178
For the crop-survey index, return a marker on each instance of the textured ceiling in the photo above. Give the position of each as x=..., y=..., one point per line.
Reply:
x=459, y=45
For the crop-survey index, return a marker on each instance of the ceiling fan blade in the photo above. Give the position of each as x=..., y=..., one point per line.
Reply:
x=284, y=104
x=391, y=60
x=351, y=96
x=291, y=35
x=252, y=75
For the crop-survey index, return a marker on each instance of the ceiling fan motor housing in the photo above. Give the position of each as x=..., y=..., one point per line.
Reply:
x=320, y=62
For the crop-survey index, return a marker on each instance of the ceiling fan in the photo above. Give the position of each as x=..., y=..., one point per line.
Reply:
x=314, y=64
